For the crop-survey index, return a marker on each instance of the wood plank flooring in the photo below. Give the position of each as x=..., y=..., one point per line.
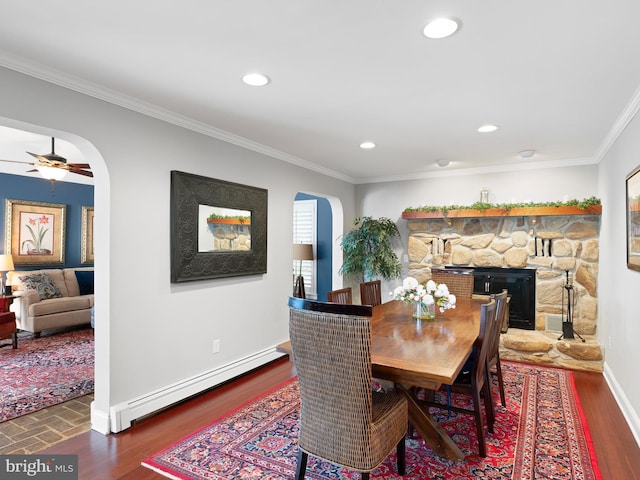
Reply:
x=119, y=456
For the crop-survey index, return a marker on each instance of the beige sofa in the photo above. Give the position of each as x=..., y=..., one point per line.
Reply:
x=67, y=309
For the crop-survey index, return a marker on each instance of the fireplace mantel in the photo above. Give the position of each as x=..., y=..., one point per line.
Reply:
x=503, y=212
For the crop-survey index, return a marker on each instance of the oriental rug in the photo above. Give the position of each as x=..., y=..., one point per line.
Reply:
x=45, y=371
x=540, y=434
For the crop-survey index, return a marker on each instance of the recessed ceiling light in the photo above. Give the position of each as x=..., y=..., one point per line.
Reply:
x=441, y=27
x=367, y=145
x=442, y=162
x=527, y=153
x=488, y=128
x=256, y=79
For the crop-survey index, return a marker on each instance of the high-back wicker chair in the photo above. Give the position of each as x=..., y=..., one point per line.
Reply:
x=371, y=293
x=459, y=281
x=342, y=420
x=343, y=295
x=474, y=381
x=493, y=355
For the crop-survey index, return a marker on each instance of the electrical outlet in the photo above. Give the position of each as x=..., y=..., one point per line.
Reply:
x=216, y=346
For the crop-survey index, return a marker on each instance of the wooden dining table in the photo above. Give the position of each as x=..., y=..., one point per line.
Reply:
x=418, y=353
x=422, y=353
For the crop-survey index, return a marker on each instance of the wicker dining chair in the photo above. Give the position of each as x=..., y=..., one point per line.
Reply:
x=458, y=280
x=474, y=381
x=493, y=355
x=371, y=293
x=342, y=419
x=343, y=295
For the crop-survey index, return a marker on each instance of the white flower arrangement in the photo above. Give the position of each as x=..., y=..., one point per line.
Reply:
x=412, y=291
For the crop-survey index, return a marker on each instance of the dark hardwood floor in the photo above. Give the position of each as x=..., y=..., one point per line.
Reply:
x=119, y=456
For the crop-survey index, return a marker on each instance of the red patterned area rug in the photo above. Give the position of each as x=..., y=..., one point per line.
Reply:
x=45, y=371
x=540, y=434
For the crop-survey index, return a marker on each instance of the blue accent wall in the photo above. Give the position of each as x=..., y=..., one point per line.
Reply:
x=324, y=232
x=73, y=195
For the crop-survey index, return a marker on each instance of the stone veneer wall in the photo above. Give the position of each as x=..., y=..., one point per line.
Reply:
x=551, y=245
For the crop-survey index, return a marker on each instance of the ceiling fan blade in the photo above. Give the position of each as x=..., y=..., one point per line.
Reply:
x=79, y=165
x=81, y=172
x=16, y=161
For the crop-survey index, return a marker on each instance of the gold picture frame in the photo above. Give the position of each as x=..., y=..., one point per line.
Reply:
x=35, y=232
x=86, y=256
x=633, y=219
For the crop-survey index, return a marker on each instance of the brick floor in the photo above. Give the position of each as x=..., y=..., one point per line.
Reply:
x=39, y=430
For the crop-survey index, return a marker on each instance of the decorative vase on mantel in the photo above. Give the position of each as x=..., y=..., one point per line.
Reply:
x=424, y=311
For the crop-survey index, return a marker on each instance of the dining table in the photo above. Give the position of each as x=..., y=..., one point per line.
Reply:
x=417, y=353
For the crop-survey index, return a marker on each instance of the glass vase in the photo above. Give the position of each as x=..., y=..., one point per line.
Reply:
x=424, y=311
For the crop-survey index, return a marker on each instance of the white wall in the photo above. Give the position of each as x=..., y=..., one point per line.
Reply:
x=618, y=305
x=151, y=334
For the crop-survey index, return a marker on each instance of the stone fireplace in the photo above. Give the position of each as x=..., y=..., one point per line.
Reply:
x=551, y=245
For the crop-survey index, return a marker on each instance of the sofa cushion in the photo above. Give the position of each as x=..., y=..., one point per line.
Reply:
x=59, y=305
x=85, y=281
x=43, y=284
x=13, y=279
x=71, y=281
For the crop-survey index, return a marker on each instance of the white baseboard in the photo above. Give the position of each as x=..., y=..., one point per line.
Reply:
x=99, y=420
x=630, y=415
x=122, y=414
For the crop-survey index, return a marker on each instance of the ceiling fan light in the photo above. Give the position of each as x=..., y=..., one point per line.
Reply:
x=51, y=173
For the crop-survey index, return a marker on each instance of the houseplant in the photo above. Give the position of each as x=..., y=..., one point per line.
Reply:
x=367, y=249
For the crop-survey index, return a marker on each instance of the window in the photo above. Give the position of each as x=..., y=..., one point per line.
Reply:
x=304, y=231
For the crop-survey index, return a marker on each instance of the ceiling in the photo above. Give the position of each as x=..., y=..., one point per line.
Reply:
x=556, y=76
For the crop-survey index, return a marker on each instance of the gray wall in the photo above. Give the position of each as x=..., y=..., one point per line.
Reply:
x=151, y=334
x=619, y=286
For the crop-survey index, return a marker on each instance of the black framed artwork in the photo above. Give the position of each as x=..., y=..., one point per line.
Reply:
x=633, y=219
x=218, y=228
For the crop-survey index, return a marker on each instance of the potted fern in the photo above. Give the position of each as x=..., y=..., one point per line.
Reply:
x=367, y=250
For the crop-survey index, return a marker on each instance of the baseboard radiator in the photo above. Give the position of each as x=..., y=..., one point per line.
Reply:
x=122, y=414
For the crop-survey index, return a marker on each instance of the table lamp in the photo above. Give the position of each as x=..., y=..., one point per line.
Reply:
x=301, y=251
x=6, y=264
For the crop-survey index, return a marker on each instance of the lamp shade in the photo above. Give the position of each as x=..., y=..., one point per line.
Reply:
x=302, y=251
x=6, y=263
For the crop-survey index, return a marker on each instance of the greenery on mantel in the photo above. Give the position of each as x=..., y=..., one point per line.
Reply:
x=481, y=206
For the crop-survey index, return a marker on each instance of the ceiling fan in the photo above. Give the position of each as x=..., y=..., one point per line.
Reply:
x=54, y=167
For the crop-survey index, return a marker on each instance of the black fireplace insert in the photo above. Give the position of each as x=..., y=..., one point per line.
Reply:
x=521, y=285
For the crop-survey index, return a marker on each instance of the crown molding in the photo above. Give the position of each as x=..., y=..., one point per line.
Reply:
x=114, y=97
x=619, y=126
x=574, y=162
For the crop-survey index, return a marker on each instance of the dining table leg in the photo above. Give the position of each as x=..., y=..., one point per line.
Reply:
x=428, y=428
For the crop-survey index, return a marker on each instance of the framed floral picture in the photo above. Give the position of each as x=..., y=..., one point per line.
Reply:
x=86, y=255
x=35, y=232
x=633, y=219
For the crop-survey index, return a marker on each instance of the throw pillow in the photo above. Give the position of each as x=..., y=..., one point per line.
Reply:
x=85, y=281
x=42, y=283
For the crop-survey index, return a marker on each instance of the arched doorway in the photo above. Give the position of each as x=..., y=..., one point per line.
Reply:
x=90, y=154
x=329, y=231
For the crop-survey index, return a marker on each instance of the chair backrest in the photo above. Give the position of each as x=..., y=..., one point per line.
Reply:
x=343, y=296
x=458, y=280
x=334, y=376
x=371, y=293
x=483, y=342
x=496, y=328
